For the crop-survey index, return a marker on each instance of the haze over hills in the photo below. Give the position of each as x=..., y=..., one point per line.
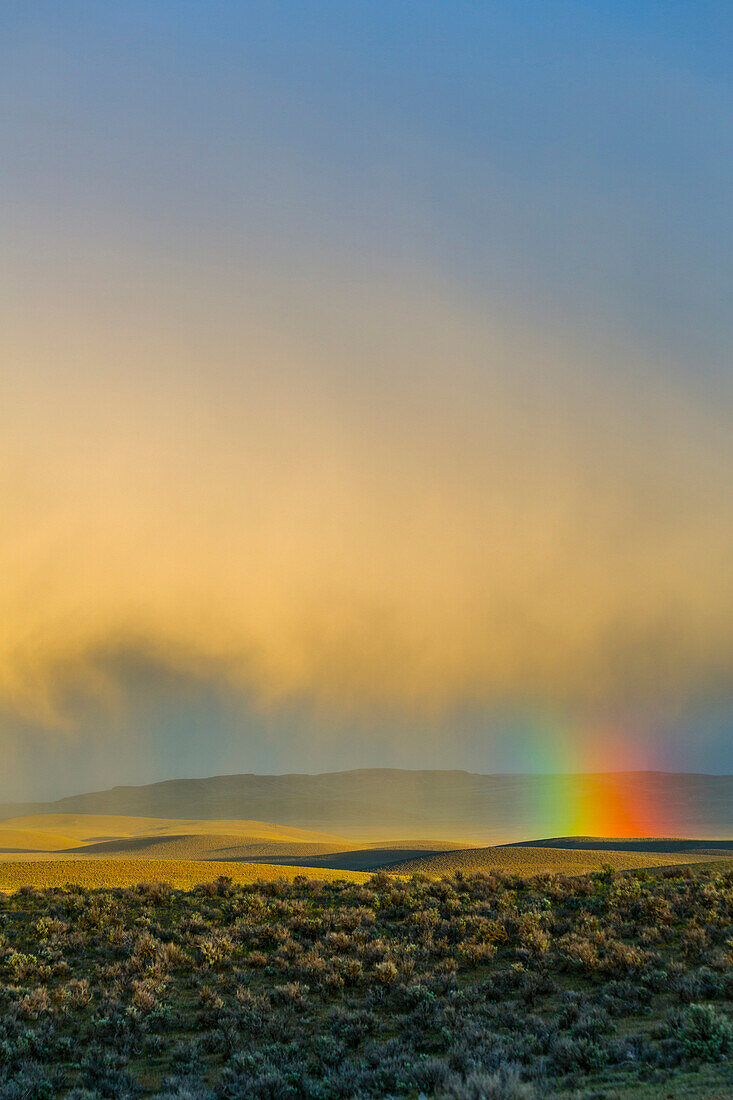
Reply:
x=381, y=804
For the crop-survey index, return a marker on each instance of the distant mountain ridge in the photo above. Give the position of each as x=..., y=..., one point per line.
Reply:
x=382, y=803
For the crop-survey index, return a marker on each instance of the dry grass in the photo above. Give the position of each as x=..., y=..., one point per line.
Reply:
x=119, y=837
x=533, y=861
x=219, y=846
x=85, y=828
x=109, y=840
x=32, y=839
x=52, y=849
x=92, y=873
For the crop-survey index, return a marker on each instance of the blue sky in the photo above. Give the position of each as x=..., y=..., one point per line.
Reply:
x=578, y=154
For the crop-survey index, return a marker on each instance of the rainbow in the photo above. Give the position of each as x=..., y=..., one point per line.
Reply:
x=592, y=781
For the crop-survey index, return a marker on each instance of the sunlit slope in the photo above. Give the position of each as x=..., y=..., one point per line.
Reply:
x=378, y=804
x=221, y=846
x=521, y=860
x=124, y=837
x=92, y=873
x=29, y=839
x=50, y=832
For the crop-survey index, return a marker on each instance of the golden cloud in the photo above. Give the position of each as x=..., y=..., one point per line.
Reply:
x=388, y=503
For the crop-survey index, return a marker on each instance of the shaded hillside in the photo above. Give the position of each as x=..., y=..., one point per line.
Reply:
x=379, y=804
x=366, y=859
x=605, y=844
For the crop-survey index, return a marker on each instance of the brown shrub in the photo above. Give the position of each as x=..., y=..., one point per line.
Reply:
x=385, y=972
x=77, y=993
x=35, y=1003
x=217, y=949
x=476, y=954
x=209, y=998
x=144, y=995
x=695, y=942
x=579, y=952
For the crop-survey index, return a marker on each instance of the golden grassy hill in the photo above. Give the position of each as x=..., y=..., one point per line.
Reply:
x=110, y=839
x=518, y=860
x=217, y=846
x=95, y=873
x=81, y=828
x=14, y=839
x=124, y=837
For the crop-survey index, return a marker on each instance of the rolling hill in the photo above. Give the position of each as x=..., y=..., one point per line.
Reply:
x=66, y=836
x=53, y=849
x=88, y=828
x=181, y=873
x=123, y=837
x=520, y=859
x=639, y=844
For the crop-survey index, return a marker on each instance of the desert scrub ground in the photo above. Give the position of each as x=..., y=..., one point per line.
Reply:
x=487, y=986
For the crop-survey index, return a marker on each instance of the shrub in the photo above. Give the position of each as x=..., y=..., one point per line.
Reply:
x=144, y=995
x=505, y=1085
x=217, y=948
x=77, y=993
x=353, y=992
x=695, y=942
x=476, y=954
x=702, y=1032
x=350, y=970
x=209, y=998
x=385, y=972
x=33, y=1004
x=22, y=966
x=293, y=993
x=579, y=953
x=570, y=1053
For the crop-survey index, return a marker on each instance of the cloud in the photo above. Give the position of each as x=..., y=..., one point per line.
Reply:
x=390, y=503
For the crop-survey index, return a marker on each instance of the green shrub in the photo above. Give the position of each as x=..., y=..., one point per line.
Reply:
x=702, y=1032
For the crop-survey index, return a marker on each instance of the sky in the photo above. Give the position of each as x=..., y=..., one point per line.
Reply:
x=365, y=395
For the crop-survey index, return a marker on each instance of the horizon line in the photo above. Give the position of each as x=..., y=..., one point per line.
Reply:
x=349, y=771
